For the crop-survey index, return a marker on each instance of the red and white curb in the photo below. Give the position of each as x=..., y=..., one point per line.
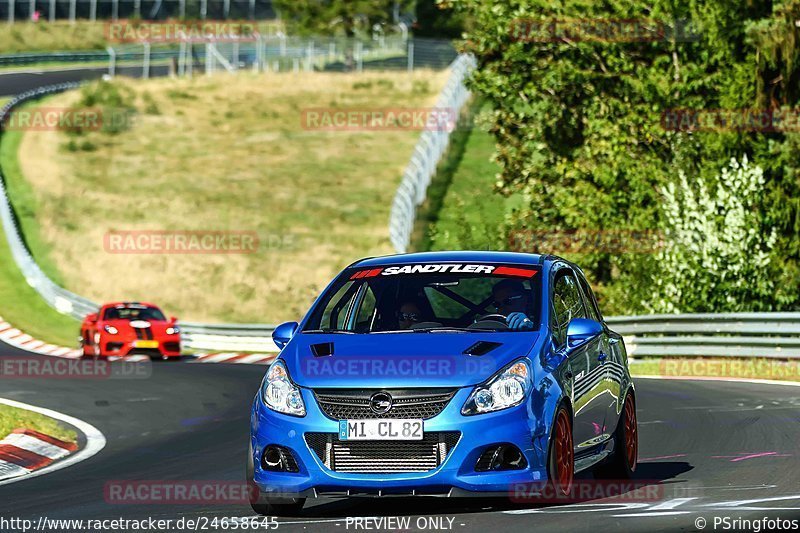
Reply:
x=25, y=454
x=26, y=450
x=18, y=339
x=235, y=358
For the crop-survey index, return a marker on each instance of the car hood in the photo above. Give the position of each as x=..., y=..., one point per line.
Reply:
x=401, y=359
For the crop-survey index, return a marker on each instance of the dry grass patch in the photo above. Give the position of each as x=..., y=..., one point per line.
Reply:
x=225, y=153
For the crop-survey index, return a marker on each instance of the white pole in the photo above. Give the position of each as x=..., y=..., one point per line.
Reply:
x=359, y=59
x=252, y=10
x=182, y=9
x=72, y=9
x=52, y=15
x=182, y=59
x=31, y=8
x=146, y=62
x=11, y=11
x=236, y=55
x=410, y=56
x=93, y=10
x=137, y=8
x=203, y=9
x=115, y=10
x=226, y=9
x=112, y=61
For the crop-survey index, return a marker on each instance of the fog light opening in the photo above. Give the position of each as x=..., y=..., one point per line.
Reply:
x=277, y=459
x=501, y=457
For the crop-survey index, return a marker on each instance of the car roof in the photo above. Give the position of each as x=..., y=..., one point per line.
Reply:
x=455, y=256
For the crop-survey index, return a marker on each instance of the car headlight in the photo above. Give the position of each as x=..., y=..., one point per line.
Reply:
x=279, y=393
x=505, y=389
x=173, y=330
x=111, y=329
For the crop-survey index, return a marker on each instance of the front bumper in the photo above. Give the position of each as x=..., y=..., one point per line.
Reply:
x=455, y=476
x=118, y=346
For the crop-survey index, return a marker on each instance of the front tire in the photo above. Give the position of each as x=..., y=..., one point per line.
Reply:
x=264, y=505
x=561, y=455
x=622, y=463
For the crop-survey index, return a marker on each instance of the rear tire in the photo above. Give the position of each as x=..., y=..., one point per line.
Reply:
x=622, y=463
x=561, y=455
x=264, y=505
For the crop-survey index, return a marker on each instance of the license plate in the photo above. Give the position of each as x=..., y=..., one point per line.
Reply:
x=145, y=344
x=386, y=429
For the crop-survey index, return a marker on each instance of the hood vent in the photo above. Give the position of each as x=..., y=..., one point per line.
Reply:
x=481, y=348
x=322, y=349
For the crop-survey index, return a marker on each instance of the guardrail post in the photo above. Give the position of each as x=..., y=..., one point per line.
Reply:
x=112, y=61
x=146, y=62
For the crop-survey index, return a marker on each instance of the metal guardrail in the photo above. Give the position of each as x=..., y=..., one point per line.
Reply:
x=428, y=152
x=774, y=335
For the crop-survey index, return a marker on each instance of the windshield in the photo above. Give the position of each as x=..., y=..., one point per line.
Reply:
x=134, y=313
x=429, y=297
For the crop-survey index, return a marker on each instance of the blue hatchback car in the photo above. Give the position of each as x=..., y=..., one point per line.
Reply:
x=443, y=374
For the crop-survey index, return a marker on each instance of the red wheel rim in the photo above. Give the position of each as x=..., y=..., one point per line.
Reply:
x=631, y=436
x=563, y=453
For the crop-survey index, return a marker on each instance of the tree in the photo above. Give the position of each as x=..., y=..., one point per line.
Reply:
x=578, y=104
x=337, y=17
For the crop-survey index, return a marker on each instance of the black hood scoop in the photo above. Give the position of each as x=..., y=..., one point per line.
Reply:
x=482, y=348
x=322, y=349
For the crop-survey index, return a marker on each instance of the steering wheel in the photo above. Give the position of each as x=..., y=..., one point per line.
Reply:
x=492, y=320
x=494, y=317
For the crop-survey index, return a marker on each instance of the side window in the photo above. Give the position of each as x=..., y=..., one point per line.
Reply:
x=591, y=301
x=566, y=304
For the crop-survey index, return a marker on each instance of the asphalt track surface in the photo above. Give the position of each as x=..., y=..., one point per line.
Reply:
x=16, y=82
x=710, y=449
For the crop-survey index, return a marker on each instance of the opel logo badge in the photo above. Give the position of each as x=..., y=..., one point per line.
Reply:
x=380, y=403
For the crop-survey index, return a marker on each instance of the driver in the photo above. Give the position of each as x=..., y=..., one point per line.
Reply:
x=510, y=299
x=408, y=315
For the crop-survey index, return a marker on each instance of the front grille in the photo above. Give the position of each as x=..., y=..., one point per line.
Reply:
x=352, y=404
x=382, y=456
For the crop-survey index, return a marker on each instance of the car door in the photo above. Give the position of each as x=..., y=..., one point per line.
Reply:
x=585, y=360
x=609, y=355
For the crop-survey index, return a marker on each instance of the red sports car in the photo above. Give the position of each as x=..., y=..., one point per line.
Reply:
x=130, y=328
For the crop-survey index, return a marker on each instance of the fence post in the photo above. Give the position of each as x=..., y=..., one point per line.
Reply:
x=72, y=9
x=112, y=61
x=359, y=59
x=93, y=10
x=146, y=62
x=11, y=11
x=410, y=56
x=52, y=14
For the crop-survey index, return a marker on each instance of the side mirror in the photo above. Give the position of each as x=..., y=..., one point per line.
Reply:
x=580, y=330
x=173, y=319
x=283, y=334
x=92, y=317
